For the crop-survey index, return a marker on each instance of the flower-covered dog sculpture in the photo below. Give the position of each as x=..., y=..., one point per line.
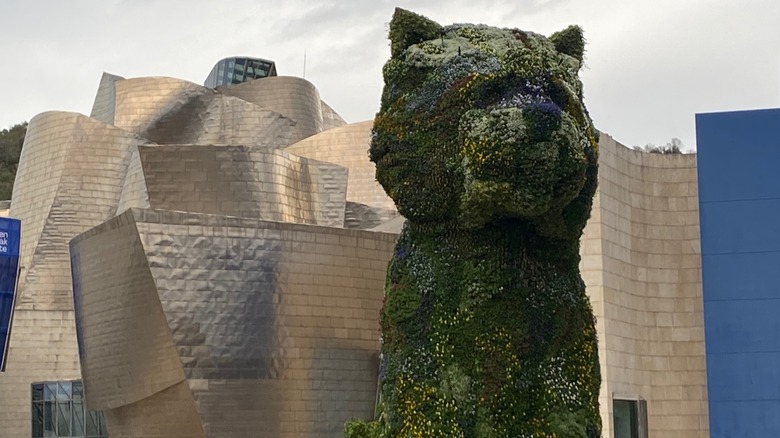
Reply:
x=484, y=144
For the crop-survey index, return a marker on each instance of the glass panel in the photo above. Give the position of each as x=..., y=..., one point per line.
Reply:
x=49, y=415
x=37, y=420
x=92, y=423
x=63, y=419
x=37, y=392
x=78, y=391
x=64, y=391
x=625, y=419
x=49, y=391
x=77, y=424
x=103, y=429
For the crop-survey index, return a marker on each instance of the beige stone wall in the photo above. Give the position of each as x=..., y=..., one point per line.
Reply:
x=641, y=264
x=4, y=208
x=42, y=348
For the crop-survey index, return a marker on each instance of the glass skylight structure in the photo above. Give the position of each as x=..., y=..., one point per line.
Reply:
x=230, y=71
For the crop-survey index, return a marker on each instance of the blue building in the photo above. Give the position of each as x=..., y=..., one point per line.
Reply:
x=739, y=200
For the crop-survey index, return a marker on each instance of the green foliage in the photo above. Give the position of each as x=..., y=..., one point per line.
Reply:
x=568, y=425
x=357, y=428
x=570, y=41
x=11, y=141
x=674, y=147
x=407, y=28
x=486, y=147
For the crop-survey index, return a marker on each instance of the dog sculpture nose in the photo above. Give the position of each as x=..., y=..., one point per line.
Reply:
x=542, y=119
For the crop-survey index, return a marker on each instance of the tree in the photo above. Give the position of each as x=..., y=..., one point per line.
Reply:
x=675, y=146
x=11, y=141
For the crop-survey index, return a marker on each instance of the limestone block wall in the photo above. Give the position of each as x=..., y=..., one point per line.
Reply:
x=4, y=208
x=591, y=270
x=259, y=183
x=644, y=239
x=42, y=348
x=69, y=178
x=274, y=324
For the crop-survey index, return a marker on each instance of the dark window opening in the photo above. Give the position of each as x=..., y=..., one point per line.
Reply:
x=629, y=418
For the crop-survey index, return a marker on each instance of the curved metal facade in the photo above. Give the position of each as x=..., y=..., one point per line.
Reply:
x=70, y=176
x=192, y=324
x=272, y=325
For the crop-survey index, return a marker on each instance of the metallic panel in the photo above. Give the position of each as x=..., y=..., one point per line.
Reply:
x=105, y=99
x=275, y=324
x=330, y=118
x=142, y=102
x=248, y=182
x=363, y=217
x=348, y=146
x=70, y=176
x=121, y=328
x=68, y=180
x=171, y=111
x=167, y=414
x=134, y=193
x=291, y=97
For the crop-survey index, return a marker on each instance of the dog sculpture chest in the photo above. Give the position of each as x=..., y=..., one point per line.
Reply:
x=484, y=144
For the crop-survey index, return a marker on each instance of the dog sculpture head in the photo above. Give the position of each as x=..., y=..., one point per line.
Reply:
x=479, y=124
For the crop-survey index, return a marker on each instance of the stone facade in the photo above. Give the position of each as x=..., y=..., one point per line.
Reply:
x=642, y=267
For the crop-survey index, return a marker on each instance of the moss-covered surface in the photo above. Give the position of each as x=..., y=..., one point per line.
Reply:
x=484, y=144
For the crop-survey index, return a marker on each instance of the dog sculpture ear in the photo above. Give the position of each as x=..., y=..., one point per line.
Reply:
x=570, y=41
x=408, y=28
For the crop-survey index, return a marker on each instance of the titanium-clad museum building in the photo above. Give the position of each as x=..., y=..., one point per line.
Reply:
x=210, y=263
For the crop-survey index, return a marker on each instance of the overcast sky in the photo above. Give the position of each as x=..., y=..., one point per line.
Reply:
x=650, y=66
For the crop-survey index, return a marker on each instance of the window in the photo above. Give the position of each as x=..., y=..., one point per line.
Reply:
x=58, y=410
x=629, y=417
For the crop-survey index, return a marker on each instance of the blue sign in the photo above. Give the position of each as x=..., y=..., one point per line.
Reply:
x=10, y=236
